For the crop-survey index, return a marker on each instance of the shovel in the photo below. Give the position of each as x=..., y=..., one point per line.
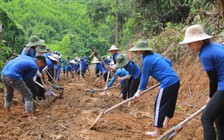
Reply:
x=121, y=103
x=48, y=91
x=169, y=134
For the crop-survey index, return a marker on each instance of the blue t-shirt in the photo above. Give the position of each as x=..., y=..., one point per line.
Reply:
x=49, y=63
x=58, y=66
x=212, y=58
x=133, y=69
x=99, y=66
x=107, y=61
x=21, y=68
x=83, y=64
x=31, y=52
x=119, y=72
x=115, y=58
x=160, y=69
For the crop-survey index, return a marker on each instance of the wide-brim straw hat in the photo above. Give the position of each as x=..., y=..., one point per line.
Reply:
x=122, y=60
x=42, y=49
x=34, y=41
x=195, y=33
x=113, y=48
x=54, y=57
x=72, y=62
x=141, y=45
x=96, y=60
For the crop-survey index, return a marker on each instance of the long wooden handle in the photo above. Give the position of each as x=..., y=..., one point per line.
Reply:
x=125, y=101
x=174, y=130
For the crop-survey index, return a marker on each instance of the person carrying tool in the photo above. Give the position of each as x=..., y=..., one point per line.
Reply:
x=98, y=67
x=82, y=68
x=159, y=68
x=121, y=73
x=134, y=74
x=50, y=62
x=13, y=75
x=113, y=50
x=211, y=56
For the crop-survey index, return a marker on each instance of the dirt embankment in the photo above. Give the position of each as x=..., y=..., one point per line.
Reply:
x=70, y=118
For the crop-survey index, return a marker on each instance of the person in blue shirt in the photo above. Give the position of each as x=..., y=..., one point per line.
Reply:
x=57, y=68
x=134, y=73
x=50, y=62
x=13, y=75
x=30, y=49
x=121, y=72
x=160, y=68
x=82, y=66
x=69, y=68
x=98, y=67
x=211, y=56
x=113, y=50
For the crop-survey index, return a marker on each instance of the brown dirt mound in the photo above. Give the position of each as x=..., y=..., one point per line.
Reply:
x=71, y=117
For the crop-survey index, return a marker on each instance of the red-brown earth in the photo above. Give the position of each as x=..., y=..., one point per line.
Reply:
x=70, y=118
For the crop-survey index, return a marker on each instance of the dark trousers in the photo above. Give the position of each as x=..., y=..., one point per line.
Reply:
x=32, y=86
x=124, y=91
x=41, y=91
x=214, y=113
x=132, y=86
x=51, y=72
x=97, y=73
x=165, y=104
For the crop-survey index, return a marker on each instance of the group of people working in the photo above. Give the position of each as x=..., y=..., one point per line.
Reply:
x=134, y=80
x=34, y=60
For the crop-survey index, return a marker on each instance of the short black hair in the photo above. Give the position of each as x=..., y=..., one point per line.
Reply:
x=41, y=58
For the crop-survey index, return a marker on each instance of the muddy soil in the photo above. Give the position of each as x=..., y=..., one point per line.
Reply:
x=71, y=117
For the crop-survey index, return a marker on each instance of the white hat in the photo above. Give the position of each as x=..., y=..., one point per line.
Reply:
x=113, y=48
x=96, y=60
x=72, y=61
x=195, y=33
x=54, y=57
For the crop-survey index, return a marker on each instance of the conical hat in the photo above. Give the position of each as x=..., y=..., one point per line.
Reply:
x=96, y=60
x=113, y=48
x=195, y=33
x=54, y=57
x=72, y=61
x=141, y=45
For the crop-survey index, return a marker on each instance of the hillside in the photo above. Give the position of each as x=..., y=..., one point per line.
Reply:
x=71, y=117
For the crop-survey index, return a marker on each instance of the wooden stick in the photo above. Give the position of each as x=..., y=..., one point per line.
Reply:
x=119, y=104
x=169, y=134
x=52, y=78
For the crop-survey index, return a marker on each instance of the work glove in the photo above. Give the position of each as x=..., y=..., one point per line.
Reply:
x=137, y=94
x=105, y=88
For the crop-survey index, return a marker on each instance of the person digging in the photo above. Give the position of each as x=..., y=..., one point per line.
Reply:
x=13, y=75
x=160, y=68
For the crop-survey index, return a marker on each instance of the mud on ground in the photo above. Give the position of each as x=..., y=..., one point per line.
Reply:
x=70, y=118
